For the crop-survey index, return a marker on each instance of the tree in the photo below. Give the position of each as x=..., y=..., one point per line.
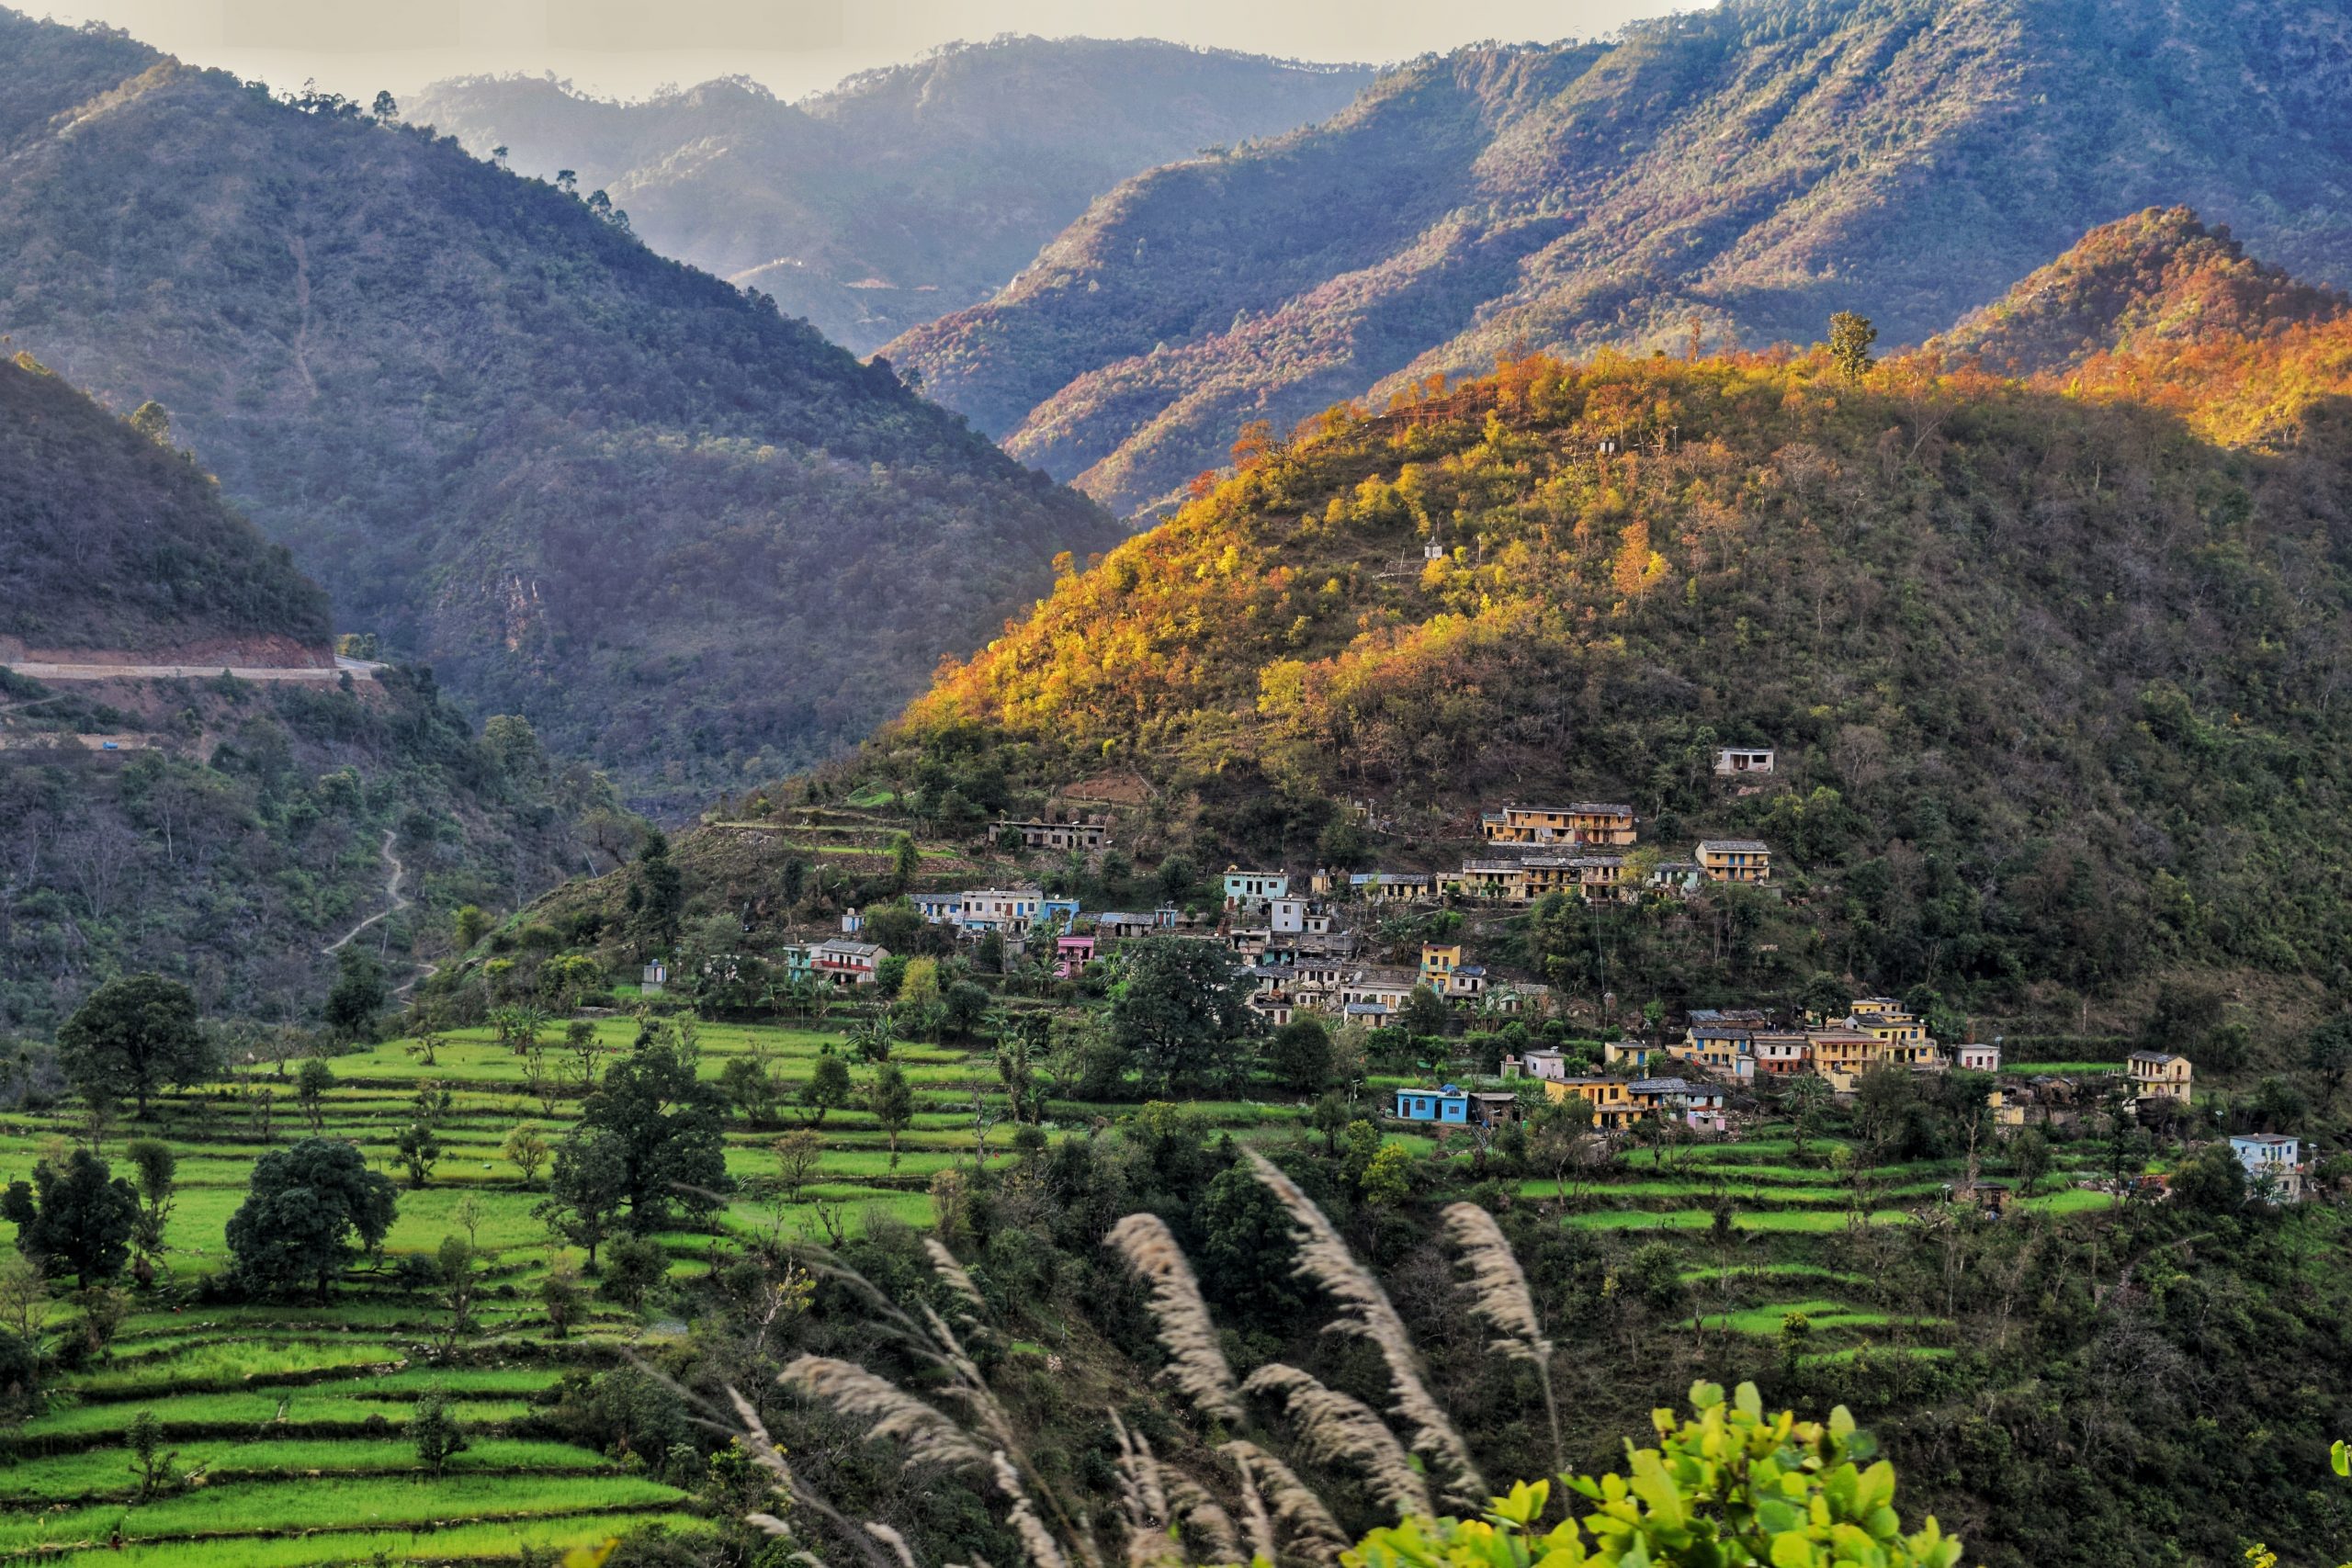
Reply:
x=906, y=860
x=418, y=1148
x=827, y=1088
x=962, y=1009
x=309, y=1212
x=663, y=1125
x=746, y=1086
x=312, y=1082
x=637, y=1264
x=469, y=926
x=1387, y=1179
x=1299, y=1055
x=2211, y=1182
x=1180, y=1012
x=1425, y=1014
x=138, y=1034
x=797, y=1154
x=2329, y=1056
x=434, y=1431
x=2030, y=1159
x=358, y=993
x=1850, y=337
x=150, y=1459
x=656, y=894
x=526, y=1150
x=386, y=107
x=154, y=420
x=893, y=1104
x=155, y=1172
x=585, y=1192
x=77, y=1221
x=559, y=1293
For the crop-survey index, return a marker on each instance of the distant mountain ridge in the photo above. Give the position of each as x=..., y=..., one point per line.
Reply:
x=1739, y=173
x=582, y=480
x=2159, y=276
x=906, y=192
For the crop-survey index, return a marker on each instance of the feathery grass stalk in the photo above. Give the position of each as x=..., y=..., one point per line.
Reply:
x=1196, y=1362
x=1498, y=1292
x=1253, y=1514
x=1206, y=1519
x=942, y=1262
x=1366, y=1311
x=1142, y=1503
x=1306, y=1523
x=888, y=1410
x=1036, y=1540
x=894, y=1540
x=1334, y=1427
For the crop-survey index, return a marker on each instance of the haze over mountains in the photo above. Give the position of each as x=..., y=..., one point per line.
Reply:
x=1755, y=167
x=904, y=193
x=685, y=534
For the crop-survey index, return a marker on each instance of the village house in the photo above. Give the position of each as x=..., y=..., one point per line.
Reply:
x=1544, y=1062
x=2274, y=1164
x=938, y=908
x=1613, y=1107
x=1736, y=860
x=2158, y=1074
x=1493, y=1108
x=1841, y=1055
x=1496, y=881
x=1515, y=999
x=1697, y=1106
x=1287, y=915
x=1679, y=877
x=1780, y=1056
x=1384, y=989
x=1072, y=954
x=1732, y=761
x=1736, y=1018
x=1886, y=1018
x=1592, y=876
x=1249, y=892
x=1392, y=886
x=1051, y=909
x=1118, y=926
x=653, y=979
x=1977, y=1058
x=1445, y=1107
x=1586, y=822
x=842, y=961
x=1007, y=910
x=1438, y=961
x=1090, y=836
x=1716, y=1048
x=1631, y=1056
x=796, y=962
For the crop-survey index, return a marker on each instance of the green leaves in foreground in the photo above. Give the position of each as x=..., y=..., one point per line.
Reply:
x=1728, y=1488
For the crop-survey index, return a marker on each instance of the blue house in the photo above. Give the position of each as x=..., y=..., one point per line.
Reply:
x=1047, y=908
x=1448, y=1105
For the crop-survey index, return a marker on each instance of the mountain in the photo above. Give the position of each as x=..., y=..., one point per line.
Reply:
x=2055, y=679
x=118, y=542
x=224, y=831
x=2157, y=278
x=1739, y=173
x=588, y=484
x=904, y=193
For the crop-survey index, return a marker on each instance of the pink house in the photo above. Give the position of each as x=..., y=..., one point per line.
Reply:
x=1072, y=954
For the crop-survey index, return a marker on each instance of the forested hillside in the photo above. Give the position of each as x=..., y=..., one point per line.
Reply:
x=2056, y=681
x=1740, y=172
x=225, y=831
x=2159, y=278
x=118, y=541
x=586, y=483
x=905, y=193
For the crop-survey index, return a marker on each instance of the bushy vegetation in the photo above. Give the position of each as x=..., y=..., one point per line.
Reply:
x=1737, y=171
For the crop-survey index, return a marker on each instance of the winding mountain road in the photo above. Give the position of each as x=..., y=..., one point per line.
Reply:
x=394, y=875
x=44, y=672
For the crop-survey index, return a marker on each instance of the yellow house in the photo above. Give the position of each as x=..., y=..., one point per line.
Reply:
x=1736, y=860
x=1584, y=822
x=1438, y=962
x=1887, y=1019
x=1501, y=880
x=1611, y=1100
x=1842, y=1055
x=2158, y=1074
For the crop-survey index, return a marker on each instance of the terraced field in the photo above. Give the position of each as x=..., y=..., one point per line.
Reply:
x=287, y=1425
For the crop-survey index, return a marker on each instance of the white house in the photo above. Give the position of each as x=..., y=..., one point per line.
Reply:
x=2274, y=1163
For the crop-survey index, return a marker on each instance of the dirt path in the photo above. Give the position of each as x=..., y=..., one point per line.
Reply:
x=394, y=874
x=39, y=671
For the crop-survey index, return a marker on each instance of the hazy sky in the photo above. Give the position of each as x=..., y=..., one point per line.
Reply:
x=629, y=47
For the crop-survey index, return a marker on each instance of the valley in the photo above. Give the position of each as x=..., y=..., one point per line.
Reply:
x=1615, y=835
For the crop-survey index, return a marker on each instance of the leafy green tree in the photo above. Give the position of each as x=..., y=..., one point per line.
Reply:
x=155, y=1173
x=587, y=1192
x=1387, y=1179
x=663, y=1125
x=469, y=925
x=893, y=1104
x=154, y=420
x=2029, y=1159
x=434, y=1431
x=314, y=1081
x=638, y=1263
x=827, y=1088
x=151, y=1461
x=1299, y=1055
x=139, y=1034
x=559, y=1294
x=1179, y=1013
x=1425, y=1014
x=418, y=1148
x=2328, y=1054
x=963, y=1011
x=1850, y=337
x=527, y=1149
x=657, y=893
x=309, y=1212
x=906, y=860
x=748, y=1087
x=1248, y=1249
x=358, y=993
x=78, y=1221
x=2210, y=1181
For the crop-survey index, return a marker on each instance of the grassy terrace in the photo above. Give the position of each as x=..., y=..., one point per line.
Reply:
x=294, y=1415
